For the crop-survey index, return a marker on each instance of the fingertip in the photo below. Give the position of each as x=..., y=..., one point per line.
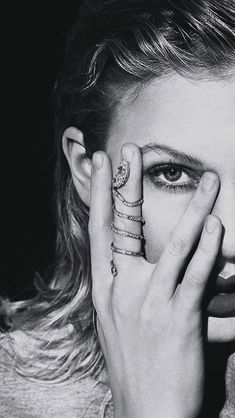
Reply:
x=101, y=164
x=130, y=151
x=127, y=152
x=213, y=224
x=97, y=160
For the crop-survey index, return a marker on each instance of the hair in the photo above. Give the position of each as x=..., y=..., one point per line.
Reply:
x=114, y=47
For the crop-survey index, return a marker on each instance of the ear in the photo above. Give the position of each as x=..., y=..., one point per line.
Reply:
x=80, y=165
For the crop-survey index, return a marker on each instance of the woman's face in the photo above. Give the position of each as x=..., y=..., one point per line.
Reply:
x=191, y=124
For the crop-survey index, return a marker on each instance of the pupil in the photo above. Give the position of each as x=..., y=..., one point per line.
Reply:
x=173, y=174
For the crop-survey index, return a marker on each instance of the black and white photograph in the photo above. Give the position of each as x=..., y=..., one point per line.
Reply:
x=117, y=294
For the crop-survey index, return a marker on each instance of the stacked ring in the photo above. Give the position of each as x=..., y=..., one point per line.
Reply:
x=126, y=252
x=121, y=177
x=125, y=233
x=129, y=204
x=129, y=217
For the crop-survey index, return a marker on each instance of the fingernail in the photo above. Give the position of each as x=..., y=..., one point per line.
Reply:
x=127, y=153
x=208, y=181
x=211, y=224
x=97, y=160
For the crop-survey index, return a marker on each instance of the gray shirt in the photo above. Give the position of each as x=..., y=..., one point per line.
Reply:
x=85, y=398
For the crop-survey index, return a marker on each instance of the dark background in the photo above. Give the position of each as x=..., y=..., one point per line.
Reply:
x=34, y=35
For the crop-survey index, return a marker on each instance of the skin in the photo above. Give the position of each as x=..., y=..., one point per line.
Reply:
x=198, y=118
x=145, y=310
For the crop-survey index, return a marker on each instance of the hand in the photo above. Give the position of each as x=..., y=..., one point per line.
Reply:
x=149, y=316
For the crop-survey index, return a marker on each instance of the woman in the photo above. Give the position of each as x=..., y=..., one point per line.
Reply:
x=144, y=107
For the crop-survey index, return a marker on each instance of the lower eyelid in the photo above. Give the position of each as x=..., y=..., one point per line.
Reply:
x=191, y=179
x=194, y=177
x=171, y=188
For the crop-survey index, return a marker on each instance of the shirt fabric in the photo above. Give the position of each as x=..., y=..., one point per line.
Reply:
x=84, y=398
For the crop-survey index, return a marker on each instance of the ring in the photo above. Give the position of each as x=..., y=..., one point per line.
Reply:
x=129, y=204
x=129, y=217
x=125, y=233
x=126, y=252
x=113, y=269
x=122, y=174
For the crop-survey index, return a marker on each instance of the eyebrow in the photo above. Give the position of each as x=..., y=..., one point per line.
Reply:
x=178, y=155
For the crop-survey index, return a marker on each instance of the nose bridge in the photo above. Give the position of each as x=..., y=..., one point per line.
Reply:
x=224, y=208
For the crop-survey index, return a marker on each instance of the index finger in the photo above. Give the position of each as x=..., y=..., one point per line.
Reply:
x=101, y=216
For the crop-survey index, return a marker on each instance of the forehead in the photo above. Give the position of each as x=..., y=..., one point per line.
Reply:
x=197, y=117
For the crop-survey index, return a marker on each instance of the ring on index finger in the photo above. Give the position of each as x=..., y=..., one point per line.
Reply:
x=122, y=174
x=129, y=204
x=125, y=233
x=120, y=179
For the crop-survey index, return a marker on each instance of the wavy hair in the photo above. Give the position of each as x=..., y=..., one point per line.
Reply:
x=114, y=47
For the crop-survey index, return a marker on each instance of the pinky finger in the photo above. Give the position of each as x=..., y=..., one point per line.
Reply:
x=196, y=277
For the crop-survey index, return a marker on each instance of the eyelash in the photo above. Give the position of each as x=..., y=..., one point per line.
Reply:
x=163, y=168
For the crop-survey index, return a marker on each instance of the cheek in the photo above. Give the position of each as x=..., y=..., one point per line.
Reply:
x=162, y=211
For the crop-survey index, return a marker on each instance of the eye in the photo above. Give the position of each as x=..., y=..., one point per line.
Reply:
x=173, y=177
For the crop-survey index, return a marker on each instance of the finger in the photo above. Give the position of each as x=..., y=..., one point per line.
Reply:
x=131, y=191
x=186, y=233
x=193, y=286
x=101, y=216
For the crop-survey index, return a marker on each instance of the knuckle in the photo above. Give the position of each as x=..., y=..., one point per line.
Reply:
x=146, y=316
x=122, y=305
x=197, y=204
x=176, y=246
x=193, y=277
x=205, y=247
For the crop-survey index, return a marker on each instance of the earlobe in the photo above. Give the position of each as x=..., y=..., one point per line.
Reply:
x=80, y=165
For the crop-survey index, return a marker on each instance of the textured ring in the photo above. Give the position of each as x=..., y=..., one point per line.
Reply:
x=126, y=252
x=122, y=174
x=125, y=233
x=134, y=218
x=114, y=271
x=129, y=204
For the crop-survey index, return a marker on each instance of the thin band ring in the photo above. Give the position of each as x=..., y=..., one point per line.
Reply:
x=125, y=233
x=129, y=217
x=129, y=204
x=126, y=252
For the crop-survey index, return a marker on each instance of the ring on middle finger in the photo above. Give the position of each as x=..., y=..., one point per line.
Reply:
x=125, y=233
x=129, y=204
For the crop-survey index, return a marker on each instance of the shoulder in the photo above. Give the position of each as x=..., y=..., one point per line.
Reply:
x=229, y=407
x=20, y=397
